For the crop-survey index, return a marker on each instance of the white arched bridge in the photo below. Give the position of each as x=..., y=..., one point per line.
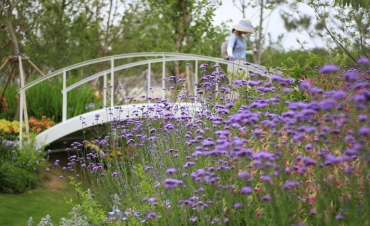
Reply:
x=107, y=71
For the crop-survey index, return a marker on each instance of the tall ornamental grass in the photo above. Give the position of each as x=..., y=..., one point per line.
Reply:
x=50, y=105
x=270, y=161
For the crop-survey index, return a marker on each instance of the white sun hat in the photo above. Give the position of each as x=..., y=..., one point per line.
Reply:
x=244, y=25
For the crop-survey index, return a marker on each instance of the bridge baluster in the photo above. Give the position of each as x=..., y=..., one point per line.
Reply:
x=148, y=81
x=163, y=75
x=112, y=83
x=105, y=91
x=64, y=93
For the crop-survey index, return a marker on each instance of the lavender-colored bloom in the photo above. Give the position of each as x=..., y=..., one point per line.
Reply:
x=114, y=174
x=208, y=143
x=193, y=218
x=246, y=190
x=339, y=217
x=304, y=85
x=171, y=171
x=287, y=90
x=151, y=215
x=290, y=184
x=243, y=174
x=363, y=60
x=9, y=144
x=362, y=118
x=364, y=131
x=348, y=170
x=237, y=205
x=188, y=164
x=350, y=76
x=329, y=68
x=266, y=198
x=337, y=95
x=172, y=183
x=327, y=105
x=265, y=178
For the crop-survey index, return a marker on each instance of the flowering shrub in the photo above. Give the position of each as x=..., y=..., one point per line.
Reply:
x=271, y=161
x=9, y=130
x=19, y=167
x=40, y=125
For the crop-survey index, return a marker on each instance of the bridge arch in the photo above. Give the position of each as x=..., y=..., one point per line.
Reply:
x=70, y=125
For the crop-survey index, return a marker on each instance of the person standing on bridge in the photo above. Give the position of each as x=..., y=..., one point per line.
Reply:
x=236, y=46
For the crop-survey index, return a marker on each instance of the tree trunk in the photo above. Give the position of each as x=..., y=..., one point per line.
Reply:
x=14, y=39
x=257, y=56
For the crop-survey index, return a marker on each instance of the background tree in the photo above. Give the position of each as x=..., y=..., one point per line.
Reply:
x=182, y=21
x=343, y=28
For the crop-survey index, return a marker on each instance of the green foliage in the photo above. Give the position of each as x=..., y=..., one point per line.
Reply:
x=8, y=105
x=354, y=3
x=50, y=105
x=16, y=180
x=90, y=211
x=19, y=167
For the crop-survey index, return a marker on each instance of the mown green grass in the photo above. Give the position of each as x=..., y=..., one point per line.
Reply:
x=16, y=209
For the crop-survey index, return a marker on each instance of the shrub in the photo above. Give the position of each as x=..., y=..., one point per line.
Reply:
x=9, y=130
x=19, y=167
x=15, y=179
x=40, y=125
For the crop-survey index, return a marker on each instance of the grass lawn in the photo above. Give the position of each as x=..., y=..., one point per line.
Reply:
x=17, y=209
x=50, y=198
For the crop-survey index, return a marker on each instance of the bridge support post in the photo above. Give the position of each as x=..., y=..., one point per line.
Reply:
x=112, y=82
x=64, y=93
x=149, y=75
x=163, y=75
x=105, y=91
x=196, y=77
x=217, y=76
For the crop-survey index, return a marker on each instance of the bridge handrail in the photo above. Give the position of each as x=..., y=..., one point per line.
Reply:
x=165, y=57
x=148, y=54
x=118, y=68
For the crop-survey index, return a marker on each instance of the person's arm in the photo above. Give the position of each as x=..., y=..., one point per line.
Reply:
x=230, y=45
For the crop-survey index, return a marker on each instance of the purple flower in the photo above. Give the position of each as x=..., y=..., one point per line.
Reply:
x=246, y=190
x=151, y=215
x=327, y=105
x=114, y=174
x=243, y=174
x=339, y=217
x=188, y=164
x=364, y=131
x=9, y=144
x=363, y=60
x=265, y=178
x=304, y=85
x=171, y=171
x=237, y=205
x=290, y=184
x=350, y=76
x=329, y=68
x=266, y=198
x=170, y=183
x=208, y=143
x=362, y=118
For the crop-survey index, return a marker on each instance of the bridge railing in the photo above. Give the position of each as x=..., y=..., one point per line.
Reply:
x=161, y=57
